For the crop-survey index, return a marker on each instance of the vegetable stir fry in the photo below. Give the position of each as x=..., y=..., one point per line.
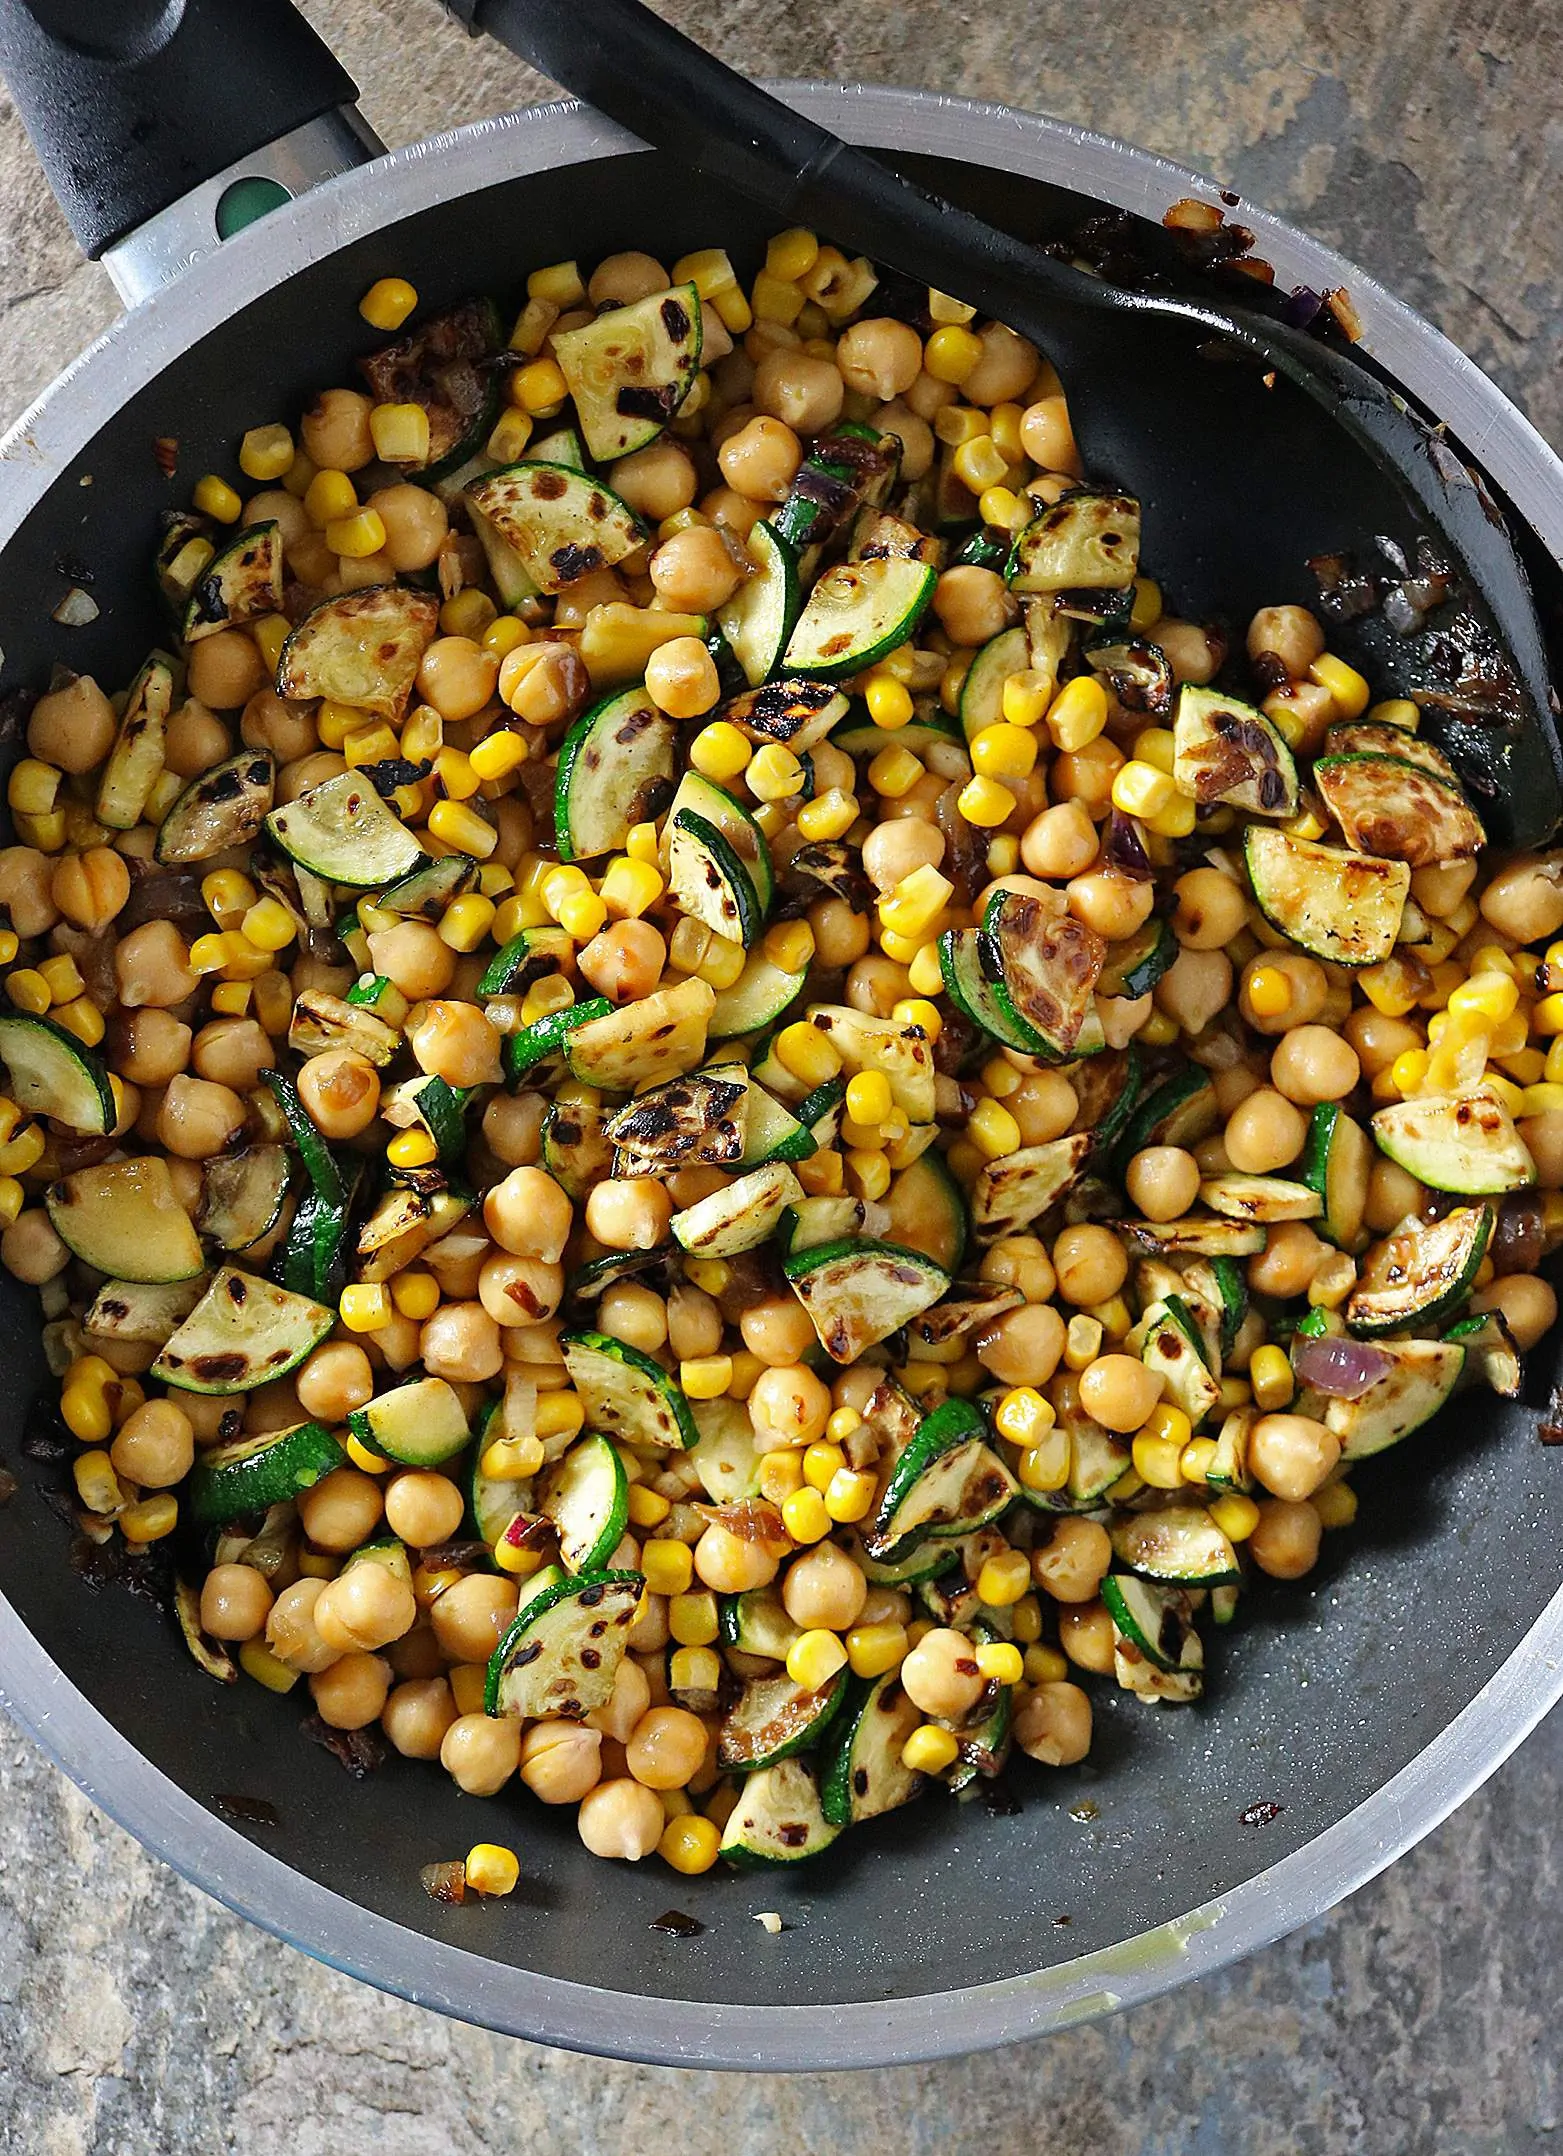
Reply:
x=708, y=1115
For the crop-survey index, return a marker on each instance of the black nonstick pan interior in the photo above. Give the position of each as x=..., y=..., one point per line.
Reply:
x=1319, y=1694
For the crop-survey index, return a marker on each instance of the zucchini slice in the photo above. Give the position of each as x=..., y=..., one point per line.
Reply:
x=929, y=1560
x=492, y=1504
x=1220, y=1286
x=778, y=1818
x=1107, y=1087
x=1010, y=1193
x=422, y=1424
x=561, y=525
x=1180, y=1111
x=561, y=1655
x=1097, y=1459
x=862, y=1776
x=536, y=1054
x=946, y=1481
x=928, y=1213
x=856, y=613
x=242, y=581
x=627, y=1394
x=124, y=1219
x=973, y=974
x=1424, y=1375
x=1193, y=1237
x=314, y=1257
x=758, y=620
x=661, y=1036
x=1157, y=1652
x=727, y=1454
x=1371, y=737
x=321, y=1021
x=982, y=692
x=1343, y=907
x=755, y=1622
x=254, y=1473
x=708, y=880
x=694, y=1121
x=798, y=714
x=52, y=1073
x=1137, y=672
x=982, y=1743
x=1491, y=1354
x=1180, y=1543
x=902, y=1053
x=1423, y=1271
x=144, y=1311
x=242, y=1333
x=760, y=996
x=1172, y=1345
x=439, y=1107
x=1226, y=751
x=1265, y=1198
x=1398, y=811
x=822, y=1219
x=736, y=824
x=1228, y=1468
x=529, y=956
x=1087, y=541
x=446, y=364
x=402, y=1226
x=774, y=1717
x=429, y=886
x=341, y=830
x=858, y=1293
x=851, y=469
x=320, y=1161
x=1134, y=966
x=588, y=1500
x=224, y=807
x=136, y=760
x=242, y=1195
x=969, y=1307
x=362, y=648
x=1051, y=966
x=616, y=769
x=631, y=369
x=1337, y=1162
x=576, y=1149
x=1466, y=1143
x=741, y=1217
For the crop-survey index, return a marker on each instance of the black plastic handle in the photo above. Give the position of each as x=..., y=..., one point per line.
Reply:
x=132, y=103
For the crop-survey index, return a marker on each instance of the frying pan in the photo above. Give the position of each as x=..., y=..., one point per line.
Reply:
x=1345, y=1716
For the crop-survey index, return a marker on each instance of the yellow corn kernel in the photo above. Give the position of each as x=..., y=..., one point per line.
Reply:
x=1397, y=711
x=269, y=925
x=1045, y=1665
x=993, y=1130
x=789, y=945
x=12, y=1199
x=1000, y=1662
x=82, y=1017
x=1168, y=1424
x=1004, y=1579
x=807, y=1054
x=491, y=1868
x=462, y=829
x=388, y=302
x=804, y=1516
x=868, y=1172
x=215, y=498
x=1024, y=1416
x=468, y=613
x=722, y=964
x=1077, y=714
x=690, y=1844
x=952, y=354
x=918, y=1011
x=258, y=1662
x=1488, y=996
x=84, y=1402
x=705, y=1377
x=869, y=1099
x=47, y=833
x=1543, y=1099
x=1158, y=1462
x=1082, y=1341
x=780, y=1474
x=413, y=1148
x=893, y=773
x=1270, y=1376
x=985, y=803
x=1004, y=425
x=1269, y=992
x=929, y=1750
x=792, y=254
x=1336, y=1503
x=539, y=388
x=266, y=452
x=773, y=773
x=957, y=424
x=889, y=701
x=505, y=634
x=849, y=1495
x=1154, y=745
x=512, y=1459
x=1236, y=1515
x=552, y=994
x=692, y=1614
x=228, y=896
x=10, y=1118
x=821, y=1461
x=875, y=1649
x=329, y=497
x=365, y=1309
x=694, y=1669
x=33, y=788
x=980, y=463
x=814, y=1658
x=560, y=1414
x=720, y=751
x=924, y=972
x=562, y=284
x=1026, y=698
x=271, y=632
x=364, y=1456
x=1176, y=819
x=668, y=1568
x=1139, y=789
x=1002, y=751
x=647, y=1507
x=1002, y=508
x=630, y=888
x=511, y=434
x=466, y=921
x=415, y=1294
x=1196, y=1457
x=775, y=299
x=63, y=977
x=400, y=433
x=28, y=990
x=829, y=815
x=1348, y=691
x=915, y=903
x=454, y=771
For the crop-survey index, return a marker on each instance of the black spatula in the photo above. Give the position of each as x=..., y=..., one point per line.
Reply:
x=1440, y=600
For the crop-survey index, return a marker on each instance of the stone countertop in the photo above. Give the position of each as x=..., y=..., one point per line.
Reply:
x=1425, y=139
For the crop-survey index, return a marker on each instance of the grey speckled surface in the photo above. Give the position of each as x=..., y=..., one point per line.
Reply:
x=1425, y=137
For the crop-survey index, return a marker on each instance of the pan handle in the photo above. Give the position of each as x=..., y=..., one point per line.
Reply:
x=137, y=106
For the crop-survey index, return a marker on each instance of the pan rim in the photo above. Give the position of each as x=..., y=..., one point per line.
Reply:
x=113, y=1774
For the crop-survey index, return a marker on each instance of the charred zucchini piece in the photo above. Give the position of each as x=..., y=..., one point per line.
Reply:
x=928, y=1213
x=627, y=1394
x=242, y=1333
x=1180, y=1111
x=1181, y=1544
x=901, y=1052
x=982, y=692
x=778, y=1818
x=798, y=714
x=631, y=369
x=774, y=1717
x=1337, y=1162
x=124, y=1219
x=561, y=525
x=530, y=955
x=561, y=1655
x=53, y=1073
x=862, y=1776
x=342, y=831
x=1466, y=1143
x=858, y=1293
x=1227, y=751
x=136, y=759
x=1087, y=541
x=694, y=1121
x=447, y=364
x=144, y=1311
x=1371, y=737
x=973, y=975
x=660, y=1037
x=535, y=1055
x=363, y=648
x=856, y=613
x=242, y=581
x=616, y=769
x=1051, y=962
x=1492, y=1356
x=1425, y=1270
x=1421, y=1376
x=242, y=1195
x=1398, y=811
x=428, y=887
x=403, y=1225
x=321, y=1021
x=946, y=1482
x=760, y=996
x=759, y=618
x=735, y=822
x=1343, y=907
x=1134, y=966
x=1263, y=1198
x=420, y=1424
x=1138, y=673
x=741, y=1217
x=577, y=1151
x=224, y=807
x=1107, y=1087
x=251, y=1474
x=709, y=881
x=1011, y=1192
x=1194, y=1238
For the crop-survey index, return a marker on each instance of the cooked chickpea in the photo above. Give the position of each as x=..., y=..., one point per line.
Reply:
x=456, y=1042
x=413, y=958
x=1163, y=1181
x=1059, y=843
x=879, y=357
x=422, y=1508
x=224, y=672
x=457, y=676
x=619, y=279
x=233, y=1052
x=365, y=1607
x=1289, y=1260
x=90, y=888
x=778, y=1329
x=1006, y=370
x=899, y=848
x=513, y=1127
x=1044, y=1106
x=695, y=571
x=290, y=1628
x=73, y=726
x=529, y=1214
x=656, y=482
x=731, y=1565
x=666, y=1748
x=840, y=935
x=1071, y=1565
x=335, y=431
x=635, y=1314
x=972, y=604
x=415, y=523
x=297, y=778
x=621, y=1818
x=681, y=678
x=1119, y=1391
x=824, y=1589
x=235, y=1602
x=1285, y=1542
x=1312, y=1064
x=1053, y=1724
x=629, y=1213
x=461, y=1342
x=1021, y=1261
x=520, y=1291
x=30, y=1249
x=1048, y=438
x=473, y=1615
x=1524, y=900
x=1378, y=1039
x=417, y=1715
x=342, y=1510
x=941, y=1676
x=1196, y=988
x=561, y=1761
x=26, y=890
x=1292, y=1454
x=196, y=1120
x=1264, y=1132
x=1192, y=652
x=1288, y=635
x=1090, y=1264
x=1392, y=1194
x=352, y=1692
x=154, y=1447
x=1528, y=1306
x=1085, y=1632
x=624, y=961
x=1112, y=903
x=1211, y=910
x=551, y=684
x=480, y=1752
x=152, y=965
x=789, y=1405
x=761, y=460
x=1024, y=1346
x=802, y=390
x=340, y=1090
x=1543, y=1139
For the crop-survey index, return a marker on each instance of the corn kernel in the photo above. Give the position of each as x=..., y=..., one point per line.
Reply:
x=1544, y=1099
x=28, y=990
x=1077, y=714
x=789, y=945
x=413, y=1148
x=492, y=1869
x=1270, y=1376
x=1336, y=1504
x=1196, y=1457
x=875, y=1649
x=1169, y=1424
x=82, y=1017
x=1002, y=751
x=400, y=433
x=929, y=1750
x=1141, y=790
x=468, y=613
x=690, y=1844
x=22, y=1153
x=215, y=498
x=415, y=1294
x=913, y=906
x=1269, y=992
x=539, y=388
x=63, y=978
x=1157, y=1462
x=691, y=1613
x=705, y=1377
x=952, y=354
x=1082, y=1341
x=1397, y=711
x=1004, y=1579
x=720, y=751
x=821, y=1461
x=365, y=1308
x=1000, y=1662
x=1002, y=508
x=780, y=1474
x=993, y=1130
x=462, y=829
x=258, y=1662
x=869, y=1098
x=830, y=815
x=560, y=1414
x=12, y=1199
x=1348, y=691
x=266, y=452
x=980, y=463
x=269, y=925
x=868, y=1172
x=47, y=833
x=774, y=773
x=893, y=773
x=849, y=1495
x=807, y=1054
x=814, y=1658
x=723, y=962
x=804, y=1516
x=985, y=803
x=1491, y=996
x=562, y=284
x=889, y=701
x=364, y=1456
x=668, y=1568
x=1024, y=1416
x=329, y=497
x=508, y=442
x=388, y=302
x=1176, y=819
x=1236, y=1515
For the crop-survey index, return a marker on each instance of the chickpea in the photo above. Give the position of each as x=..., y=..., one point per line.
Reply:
x=666, y=1748
x=335, y=1379
x=340, y=1090
x=789, y=1405
x=1393, y=1193
x=729, y=1565
x=1313, y=1064
x=658, y=481
x=233, y=1052
x=1060, y=843
x=1085, y=1632
x=694, y=1322
x=235, y=1601
x=1441, y=890
x=879, y=358
x=1020, y=1261
x=342, y=1510
x=365, y=1607
x=1025, y=1346
x=620, y=1818
x=456, y=1042
x=561, y=1761
x=1048, y=438
x=297, y=778
x=26, y=890
x=801, y=390
x=154, y=1446
x=473, y=1615
x=351, y=1692
x=520, y=1291
x=412, y=956
x=1378, y=1039
x=30, y=1249
x=1112, y=903
x=1119, y=1392
x=681, y=678
x=1044, y=1106
x=695, y=571
x=972, y=604
x=1543, y=1140
x=224, y=672
x=150, y=1046
x=1163, y=1181
x=1528, y=1306
x=778, y=1329
x=1289, y=1260
x=512, y=1128
x=415, y=525
x=1192, y=653
x=290, y=1628
x=619, y=279
x=422, y=1508
x=1292, y=1455
x=90, y=888
x=479, y=1752
x=529, y=1215
x=629, y=1213
x=1090, y=1264
x=457, y=676
x=624, y=961
x=152, y=965
x=335, y=431
x=897, y=849
x=1196, y=988
x=196, y=1120
x=1285, y=1542
x=876, y=985
x=824, y=1589
x=1053, y=1724
x=1072, y=1564
x=72, y=726
x=761, y=460
x=547, y=684
x=636, y=1315
x=1264, y=1132
x=1006, y=370
x=840, y=935
x=1524, y=901
x=940, y=1675
x=461, y=1342
x=1287, y=635
x=1211, y=910
x=417, y=1715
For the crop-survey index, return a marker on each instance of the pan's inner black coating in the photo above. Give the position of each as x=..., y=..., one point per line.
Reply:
x=1321, y=1692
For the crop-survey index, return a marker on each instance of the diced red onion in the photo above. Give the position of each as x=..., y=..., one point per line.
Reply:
x=1339, y=1368
x=1123, y=848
